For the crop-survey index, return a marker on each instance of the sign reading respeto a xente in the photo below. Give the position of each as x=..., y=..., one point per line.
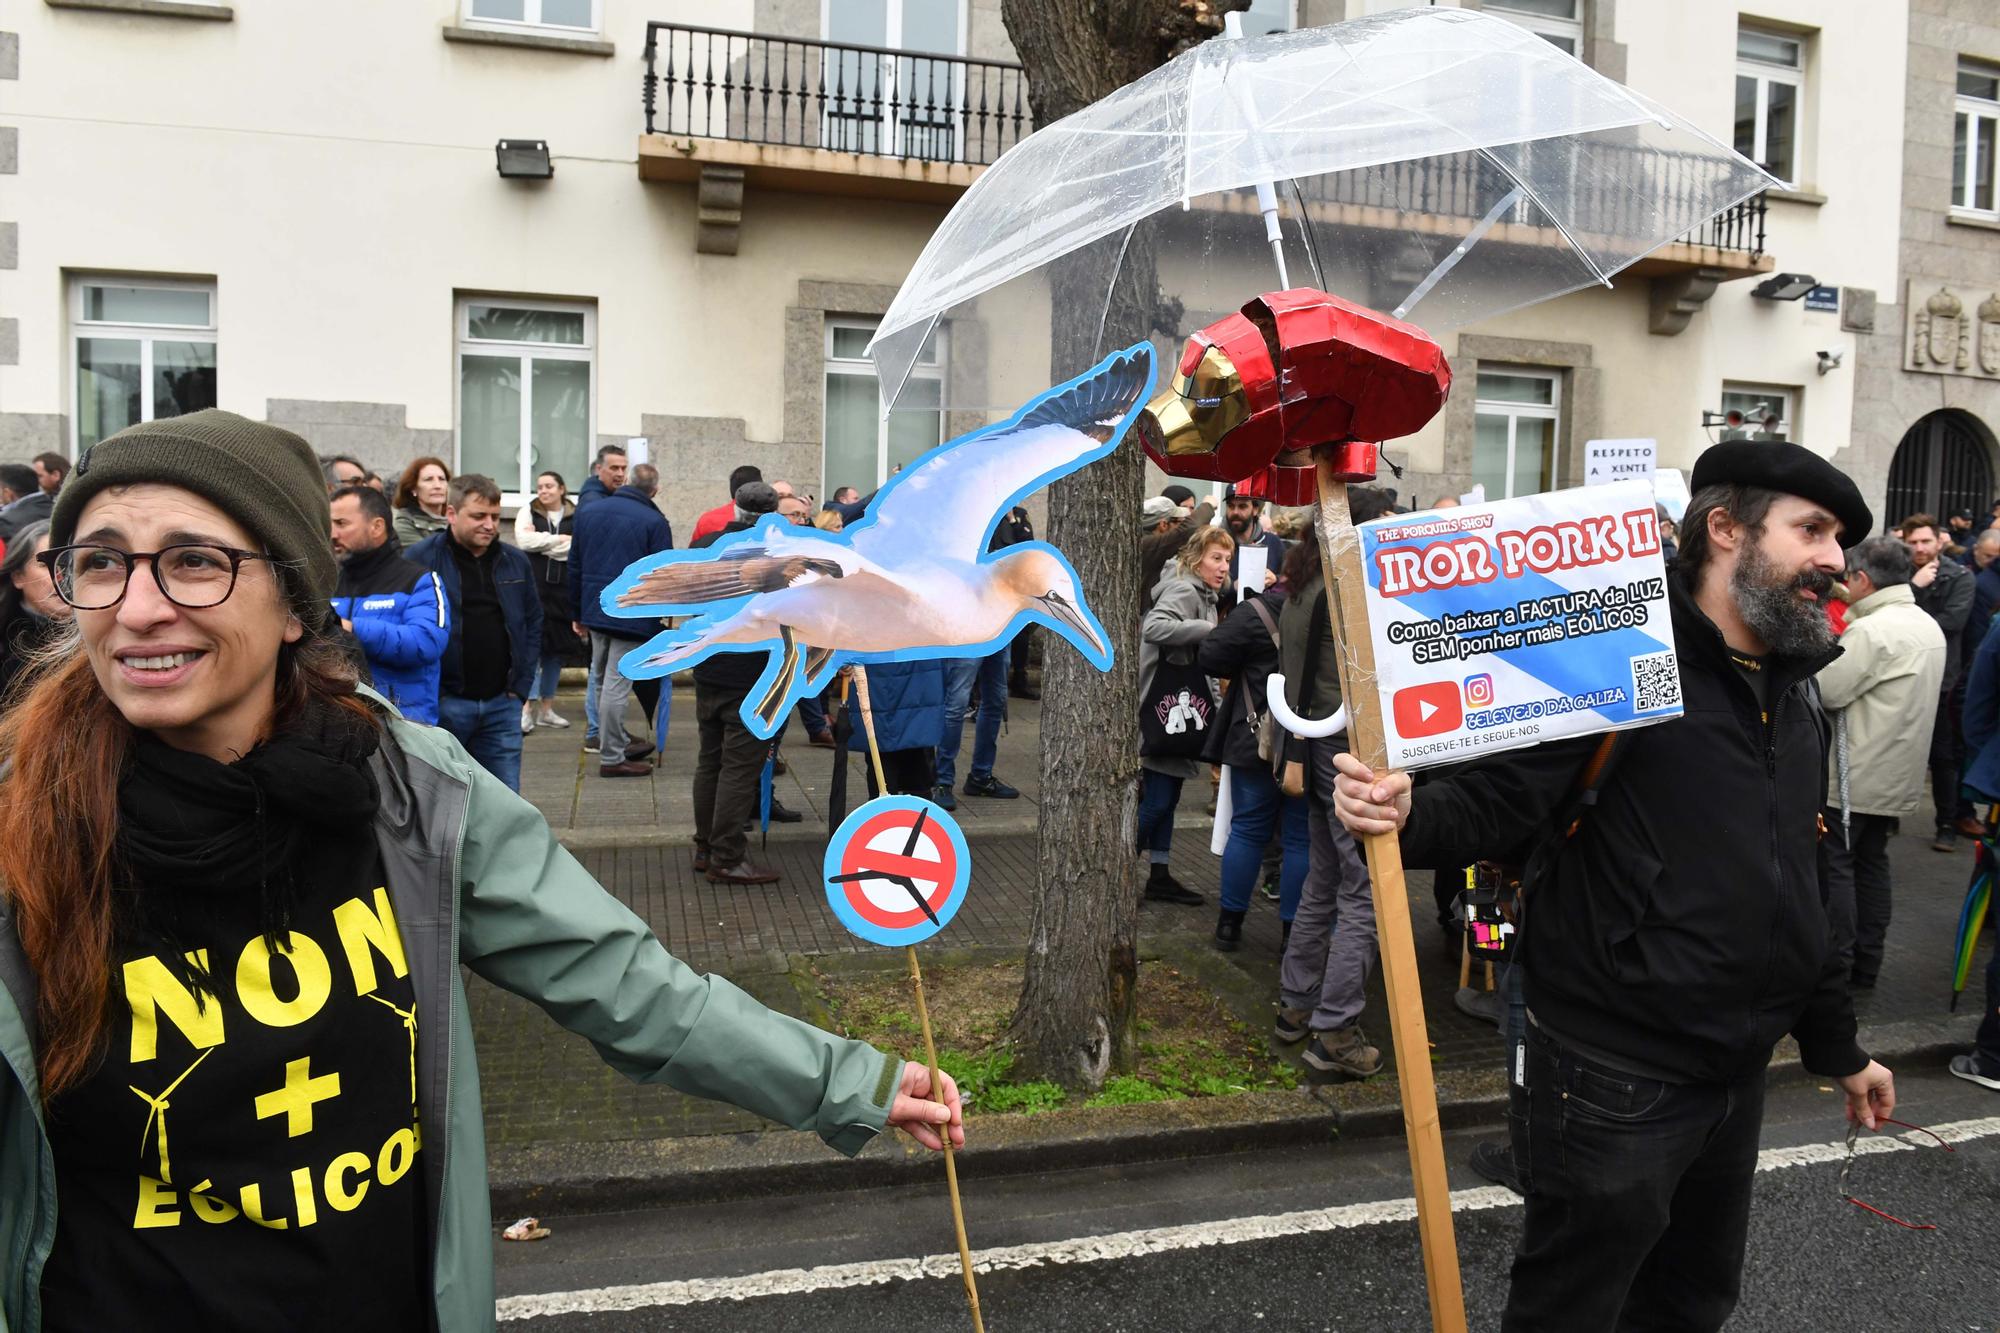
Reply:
x=1519, y=621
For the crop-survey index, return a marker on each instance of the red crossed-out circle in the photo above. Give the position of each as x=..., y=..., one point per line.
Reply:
x=878, y=845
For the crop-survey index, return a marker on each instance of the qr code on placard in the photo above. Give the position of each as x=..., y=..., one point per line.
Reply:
x=1656, y=682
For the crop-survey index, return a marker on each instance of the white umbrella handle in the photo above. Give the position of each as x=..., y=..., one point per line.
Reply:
x=1274, y=699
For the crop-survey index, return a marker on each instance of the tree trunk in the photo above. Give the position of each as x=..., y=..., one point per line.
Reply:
x=1074, y=1022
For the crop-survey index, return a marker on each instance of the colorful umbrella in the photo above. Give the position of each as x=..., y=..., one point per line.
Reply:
x=1972, y=916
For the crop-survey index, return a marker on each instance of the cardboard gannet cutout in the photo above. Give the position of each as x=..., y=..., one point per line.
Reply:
x=912, y=578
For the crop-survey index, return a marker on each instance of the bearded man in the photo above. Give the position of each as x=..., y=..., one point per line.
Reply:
x=1674, y=927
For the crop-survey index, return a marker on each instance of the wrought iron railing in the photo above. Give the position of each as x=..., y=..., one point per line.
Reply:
x=712, y=84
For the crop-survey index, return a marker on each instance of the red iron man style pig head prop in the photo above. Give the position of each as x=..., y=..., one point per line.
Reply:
x=1255, y=393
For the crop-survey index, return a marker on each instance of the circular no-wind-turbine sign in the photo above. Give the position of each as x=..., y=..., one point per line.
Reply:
x=896, y=870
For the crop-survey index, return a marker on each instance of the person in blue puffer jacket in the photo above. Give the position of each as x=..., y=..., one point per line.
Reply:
x=393, y=608
x=907, y=701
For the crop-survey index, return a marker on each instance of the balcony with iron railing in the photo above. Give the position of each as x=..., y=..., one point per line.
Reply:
x=723, y=108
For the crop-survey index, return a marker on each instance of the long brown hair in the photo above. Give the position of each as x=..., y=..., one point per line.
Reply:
x=406, y=485
x=62, y=753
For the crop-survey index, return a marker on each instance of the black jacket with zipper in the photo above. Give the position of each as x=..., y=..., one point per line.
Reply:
x=1683, y=924
x=1240, y=650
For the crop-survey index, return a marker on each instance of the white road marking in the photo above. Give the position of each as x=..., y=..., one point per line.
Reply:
x=1128, y=1244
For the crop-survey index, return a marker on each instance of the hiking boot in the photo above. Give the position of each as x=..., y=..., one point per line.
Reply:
x=990, y=787
x=1229, y=931
x=1291, y=1025
x=743, y=872
x=1495, y=1161
x=1967, y=1068
x=1344, y=1053
x=1162, y=887
x=942, y=798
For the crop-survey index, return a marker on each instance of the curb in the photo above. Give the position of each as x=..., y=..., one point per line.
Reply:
x=585, y=1178
x=812, y=832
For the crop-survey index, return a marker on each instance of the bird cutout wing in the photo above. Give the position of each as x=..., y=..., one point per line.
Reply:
x=743, y=572
x=948, y=502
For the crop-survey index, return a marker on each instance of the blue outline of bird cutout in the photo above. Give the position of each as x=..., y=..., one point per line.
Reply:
x=912, y=578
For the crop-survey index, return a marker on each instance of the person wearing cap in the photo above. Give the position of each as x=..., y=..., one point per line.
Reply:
x=1165, y=524
x=1679, y=931
x=235, y=1052
x=1244, y=514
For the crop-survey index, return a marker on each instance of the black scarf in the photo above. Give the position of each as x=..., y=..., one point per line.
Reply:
x=190, y=828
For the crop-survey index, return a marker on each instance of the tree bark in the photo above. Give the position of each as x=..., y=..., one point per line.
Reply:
x=1074, y=1022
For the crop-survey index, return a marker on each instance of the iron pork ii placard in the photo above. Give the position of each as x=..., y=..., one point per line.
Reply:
x=1519, y=621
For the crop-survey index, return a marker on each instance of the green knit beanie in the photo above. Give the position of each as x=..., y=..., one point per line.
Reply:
x=263, y=476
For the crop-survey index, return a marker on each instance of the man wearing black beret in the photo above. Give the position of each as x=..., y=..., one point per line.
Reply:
x=1674, y=928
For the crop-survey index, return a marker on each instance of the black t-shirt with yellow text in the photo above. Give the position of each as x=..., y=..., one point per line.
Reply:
x=251, y=1161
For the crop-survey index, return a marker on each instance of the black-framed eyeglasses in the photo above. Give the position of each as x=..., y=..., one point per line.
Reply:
x=192, y=575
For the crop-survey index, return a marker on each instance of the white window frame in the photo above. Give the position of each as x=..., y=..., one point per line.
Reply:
x=144, y=334
x=1982, y=126
x=890, y=133
x=1517, y=412
x=531, y=20
x=1766, y=73
x=1784, y=397
x=464, y=344
x=862, y=367
x=1556, y=31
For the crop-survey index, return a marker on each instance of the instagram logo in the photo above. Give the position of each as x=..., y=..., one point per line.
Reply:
x=1478, y=690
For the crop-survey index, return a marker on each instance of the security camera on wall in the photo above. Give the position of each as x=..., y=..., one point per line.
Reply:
x=1830, y=360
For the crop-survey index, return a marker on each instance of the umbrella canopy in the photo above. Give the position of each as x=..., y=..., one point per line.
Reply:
x=1972, y=915
x=1443, y=164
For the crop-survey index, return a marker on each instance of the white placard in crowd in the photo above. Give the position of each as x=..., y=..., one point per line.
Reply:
x=1519, y=621
x=1251, y=562
x=638, y=450
x=1670, y=489
x=1606, y=461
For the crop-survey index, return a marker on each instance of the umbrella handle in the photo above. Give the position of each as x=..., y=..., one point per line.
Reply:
x=1312, y=729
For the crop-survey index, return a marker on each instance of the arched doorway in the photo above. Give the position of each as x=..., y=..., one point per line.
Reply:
x=1941, y=467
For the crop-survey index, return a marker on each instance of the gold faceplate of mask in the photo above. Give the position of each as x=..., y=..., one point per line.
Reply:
x=1198, y=410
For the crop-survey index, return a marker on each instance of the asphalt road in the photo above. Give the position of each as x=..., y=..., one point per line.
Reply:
x=1307, y=1239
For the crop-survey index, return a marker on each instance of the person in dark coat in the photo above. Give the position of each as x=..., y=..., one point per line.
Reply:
x=605, y=538
x=1669, y=942
x=1944, y=588
x=1014, y=529
x=1164, y=528
x=22, y=499
x=906, y=700
x=1243, y=650
x=1981, y=1065
x=32, y=614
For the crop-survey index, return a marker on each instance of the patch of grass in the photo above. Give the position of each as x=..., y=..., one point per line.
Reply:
x=1190, y=1044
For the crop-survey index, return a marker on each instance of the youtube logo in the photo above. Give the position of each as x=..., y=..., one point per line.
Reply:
x=1427, y=710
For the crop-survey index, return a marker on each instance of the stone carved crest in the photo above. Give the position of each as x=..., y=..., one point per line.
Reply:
x=1989, y=334
x=1941, y=334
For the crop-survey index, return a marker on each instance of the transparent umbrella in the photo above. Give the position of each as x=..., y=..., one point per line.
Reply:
x=1443, y=165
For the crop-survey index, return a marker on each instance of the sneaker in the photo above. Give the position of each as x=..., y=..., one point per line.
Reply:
x=991, y=787
x=941, y=796
x=551, y=718
x=1967, y=1068
x=1291, y=1025
x=1946, y=840
x=1269, y=888
x=527, y=718
x=1344, y=1053
x=590, y=741
x=1495, y=1161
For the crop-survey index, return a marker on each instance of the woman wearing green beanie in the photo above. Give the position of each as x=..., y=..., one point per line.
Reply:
x=236, y=1071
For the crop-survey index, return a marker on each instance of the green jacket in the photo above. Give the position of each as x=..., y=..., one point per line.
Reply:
x=476, y=878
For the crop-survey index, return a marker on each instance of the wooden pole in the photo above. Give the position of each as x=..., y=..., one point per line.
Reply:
x=1340, y=557
x=930, y=1042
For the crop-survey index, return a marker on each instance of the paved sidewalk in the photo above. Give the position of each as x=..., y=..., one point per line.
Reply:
x=542, y=1085
x=586, y=810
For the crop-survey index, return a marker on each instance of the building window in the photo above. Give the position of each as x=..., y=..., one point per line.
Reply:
x=1975, y=131
x=567, y=15
x=860, y=448
x=1770, y=79
x=144, y=350
x=1559, y=22
x=902, y=105
x=524, y=393
x=1759, y=404
x=1516, y=441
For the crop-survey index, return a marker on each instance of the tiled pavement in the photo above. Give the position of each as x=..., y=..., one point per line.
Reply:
x=542, y=1084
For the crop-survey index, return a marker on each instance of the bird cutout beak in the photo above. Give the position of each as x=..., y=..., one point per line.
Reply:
x=1202, y=405
x=1066, y=613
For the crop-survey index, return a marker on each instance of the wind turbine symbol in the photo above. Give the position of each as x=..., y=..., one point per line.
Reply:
x=157, y=1113
x=908, y=884
x=409, y=1017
